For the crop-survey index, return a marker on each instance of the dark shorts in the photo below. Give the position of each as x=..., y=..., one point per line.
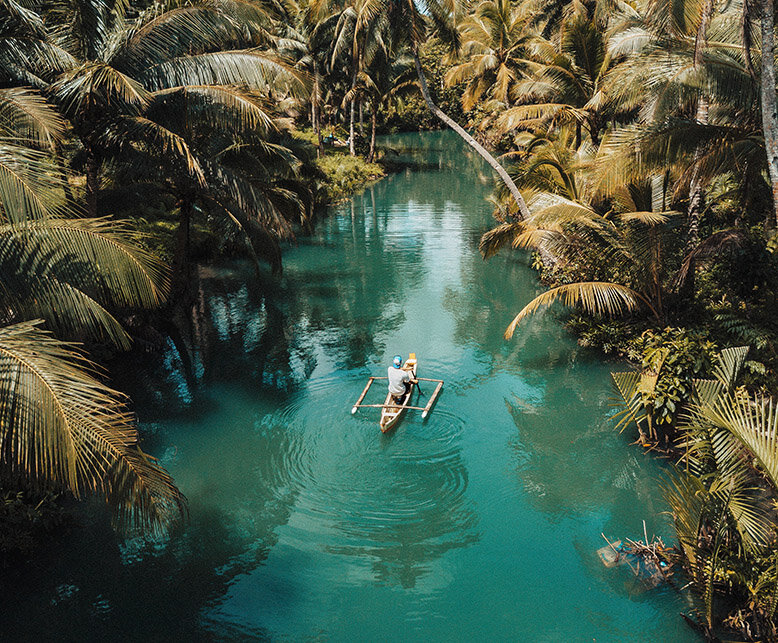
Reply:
x=401, y=396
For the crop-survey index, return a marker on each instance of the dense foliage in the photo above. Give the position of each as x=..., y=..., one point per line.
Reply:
x=641, y=145
x=639, y=135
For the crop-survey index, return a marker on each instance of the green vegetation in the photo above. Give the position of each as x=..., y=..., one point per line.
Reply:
x=347, y=174
x=633, y=133
x=640, y=152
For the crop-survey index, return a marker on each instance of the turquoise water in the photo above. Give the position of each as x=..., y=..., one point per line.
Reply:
x=480, y=523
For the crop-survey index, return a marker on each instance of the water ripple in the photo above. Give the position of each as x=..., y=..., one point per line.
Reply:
x=360, y=488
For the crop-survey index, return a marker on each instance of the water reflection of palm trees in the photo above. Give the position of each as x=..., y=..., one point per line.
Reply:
x=160, y=591
x=344, y=290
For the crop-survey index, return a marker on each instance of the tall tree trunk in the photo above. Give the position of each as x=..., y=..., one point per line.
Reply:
x=373, y=115
x=352, y=105
x=315, y=110
x=696, y=191
x=769, y=105
x=361, y=119
x=92, y=181
x=181, y=260
x=62, y=167
x=450, y=122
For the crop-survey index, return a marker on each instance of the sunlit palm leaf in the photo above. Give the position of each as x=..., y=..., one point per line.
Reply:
x=30, y=185
x=627, y=386
x=598, y=298
x=58, y=424
x=730, y=363
x=26, y=116
x=251, y=68
x=754, y=422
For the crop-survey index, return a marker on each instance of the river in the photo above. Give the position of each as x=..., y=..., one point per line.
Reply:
x=480, y=523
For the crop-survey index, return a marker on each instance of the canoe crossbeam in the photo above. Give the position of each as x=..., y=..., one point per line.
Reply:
x=425, y=409
x=388, y=406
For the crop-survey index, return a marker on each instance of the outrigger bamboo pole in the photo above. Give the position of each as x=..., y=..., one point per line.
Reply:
x=362, y=397
x=427, y=408
x=390, y=406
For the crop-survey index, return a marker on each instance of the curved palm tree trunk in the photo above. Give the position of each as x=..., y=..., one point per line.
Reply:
x=450, y=122
x=769, y=105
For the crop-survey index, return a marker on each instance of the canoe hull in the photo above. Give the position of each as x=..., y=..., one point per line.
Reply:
x=391, y=415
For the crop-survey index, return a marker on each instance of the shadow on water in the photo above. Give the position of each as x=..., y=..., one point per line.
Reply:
x=306, y=522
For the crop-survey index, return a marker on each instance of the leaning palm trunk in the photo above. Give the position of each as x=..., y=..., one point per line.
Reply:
x=450, y=122
x=769, y=105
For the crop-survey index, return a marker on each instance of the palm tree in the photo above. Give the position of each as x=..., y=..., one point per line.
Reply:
x=721, y=501
x=307, y=36
x=411, y=26
x=494, y=49
x=769, y=103
x=125, y=68
x=63, y=428
x=572, y=225
x=567, y=81
x=690, y=70
x=60, y=425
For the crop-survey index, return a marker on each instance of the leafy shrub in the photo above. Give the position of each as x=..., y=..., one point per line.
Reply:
x=679, y=356
x=25, y=518
x=347, y=174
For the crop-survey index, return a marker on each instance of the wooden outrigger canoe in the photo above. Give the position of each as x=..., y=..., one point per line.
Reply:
x=391, y=410
x=394, y=407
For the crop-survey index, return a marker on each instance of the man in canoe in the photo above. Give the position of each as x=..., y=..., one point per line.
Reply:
x=399, y=379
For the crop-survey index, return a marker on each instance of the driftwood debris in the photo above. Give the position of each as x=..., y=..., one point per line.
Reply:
x=648, y=560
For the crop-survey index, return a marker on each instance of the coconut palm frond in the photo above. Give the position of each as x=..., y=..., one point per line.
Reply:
x=125, y=130
x=97, y=255
x=68, y=310
x=498, y=237
x=251, y=68
x=25, y=115
x=30, y=185
x=62, y=426
x=754, y=422
x=224, y=108
x=142, y=496
x=646, y=218
x=627, y=385
x=98, y=84
x=718, y=244
x=598, y=298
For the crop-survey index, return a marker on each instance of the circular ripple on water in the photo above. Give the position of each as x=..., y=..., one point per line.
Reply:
x=372, y=487
x=352, y=484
